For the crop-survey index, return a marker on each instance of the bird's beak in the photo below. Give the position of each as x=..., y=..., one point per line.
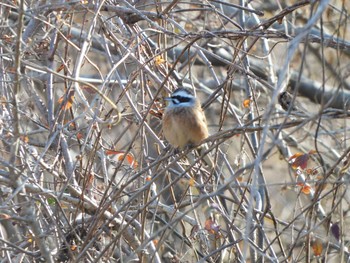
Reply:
x=167, y=100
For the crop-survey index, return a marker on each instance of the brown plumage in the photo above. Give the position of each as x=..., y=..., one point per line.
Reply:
x=184, y=122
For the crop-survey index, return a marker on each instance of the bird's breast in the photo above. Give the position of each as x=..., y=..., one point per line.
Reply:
x=183, y=126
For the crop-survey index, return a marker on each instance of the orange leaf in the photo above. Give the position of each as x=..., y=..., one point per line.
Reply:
x=191, y=182
x=317, y=247
x=68, y=99
x=25, y=138
x=305, y=188
x=131, y=160
x=295, y=156
x=120, y=155
x=312, y=152
x=246, y=103
x=159, y=60
x=148, y=178
x=60, y=100
x=111, y=152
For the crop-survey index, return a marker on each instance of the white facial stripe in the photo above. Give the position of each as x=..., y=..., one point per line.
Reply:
x=182, y=93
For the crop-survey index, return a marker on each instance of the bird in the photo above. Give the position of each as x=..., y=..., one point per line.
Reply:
x=286, y=101
x=184, y=123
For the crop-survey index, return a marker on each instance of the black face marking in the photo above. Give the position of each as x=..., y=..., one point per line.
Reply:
x=180, y=99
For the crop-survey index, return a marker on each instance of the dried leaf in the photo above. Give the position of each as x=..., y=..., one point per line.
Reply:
x=299, y=160
x=159, y=60
x=131, y=160
x=72, y=125
x=155, y=242
x=24, y=138
x=246, y=103
x=60, y=68
x=120, y=156
x=3, y=101
x=305, y=188
x=317, y=247
x=312, y=152
x=69, y=100
x=188, y=27
x=4, y=216
x=295, y=156
x=148, y=178
x=211, y=226
x=91, y=178
x=156, y=113
x=157, y=108
x=311, y=171
x=208, y=223
x=191, y=182
x=111, y=152
x=335, y=229
x=88, y=89
x=7, y=38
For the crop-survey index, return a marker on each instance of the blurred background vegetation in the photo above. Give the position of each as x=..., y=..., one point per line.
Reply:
x=85, y=172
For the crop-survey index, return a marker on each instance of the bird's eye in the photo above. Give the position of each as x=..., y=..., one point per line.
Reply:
x=180, y=99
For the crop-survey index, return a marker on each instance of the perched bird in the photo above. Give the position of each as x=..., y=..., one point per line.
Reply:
x=184, y=122
x=286, y=101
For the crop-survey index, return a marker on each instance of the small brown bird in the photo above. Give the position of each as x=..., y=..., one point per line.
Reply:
x=184, y=122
